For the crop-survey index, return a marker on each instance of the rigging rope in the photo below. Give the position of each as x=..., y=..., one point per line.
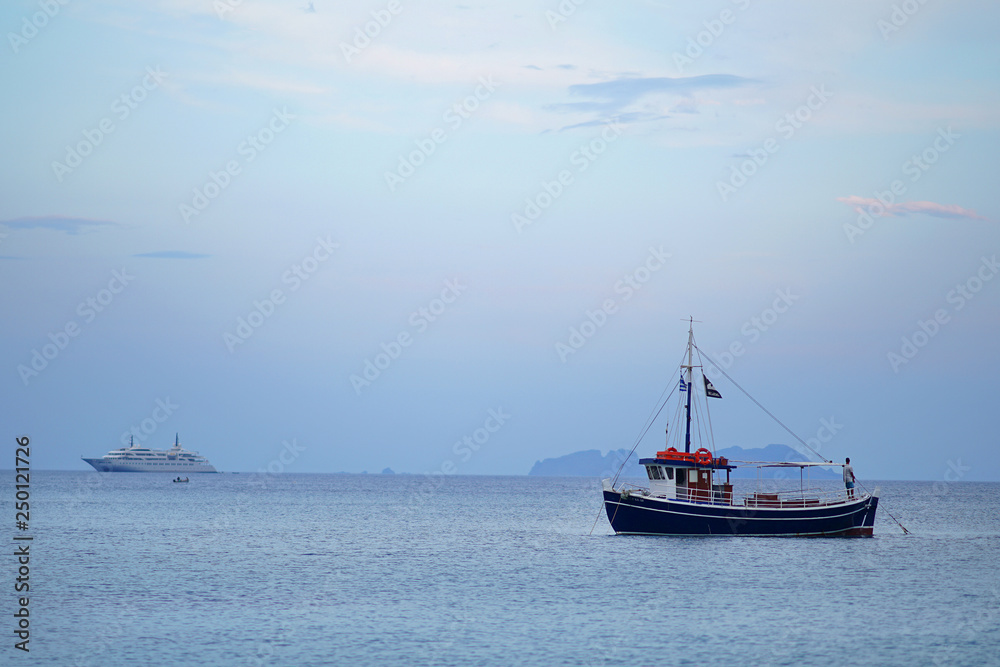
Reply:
x=698, y=422
x=677, y=434
x=708, y=415
x=649, y=423
x=736, y=384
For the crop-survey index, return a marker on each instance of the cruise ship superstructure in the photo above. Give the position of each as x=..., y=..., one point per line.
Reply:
x=143, y=459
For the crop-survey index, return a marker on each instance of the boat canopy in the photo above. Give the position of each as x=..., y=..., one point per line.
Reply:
x=795, y=464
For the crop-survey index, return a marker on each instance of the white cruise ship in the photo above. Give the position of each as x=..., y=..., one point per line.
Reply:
x=144, y=459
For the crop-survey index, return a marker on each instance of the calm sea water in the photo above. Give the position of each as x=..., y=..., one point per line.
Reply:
x=240, y=569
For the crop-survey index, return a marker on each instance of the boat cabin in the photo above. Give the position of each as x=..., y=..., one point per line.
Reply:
x=684, y=476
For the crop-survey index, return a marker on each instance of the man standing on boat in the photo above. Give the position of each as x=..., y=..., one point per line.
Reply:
x=849, y=478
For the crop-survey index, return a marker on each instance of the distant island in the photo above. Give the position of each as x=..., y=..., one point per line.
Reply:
x=591, y=463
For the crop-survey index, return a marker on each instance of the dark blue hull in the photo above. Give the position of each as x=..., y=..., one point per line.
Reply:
x=641, y=515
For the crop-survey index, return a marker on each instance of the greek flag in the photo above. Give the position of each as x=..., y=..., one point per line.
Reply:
x=684, y=386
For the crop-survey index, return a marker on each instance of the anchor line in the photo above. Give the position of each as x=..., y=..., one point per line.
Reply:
x=886, y=509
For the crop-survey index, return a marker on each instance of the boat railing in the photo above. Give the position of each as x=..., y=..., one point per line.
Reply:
x=782, y=499
x=798, y=498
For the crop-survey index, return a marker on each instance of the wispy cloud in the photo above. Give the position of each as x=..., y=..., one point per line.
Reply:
x=626, y=118
x=610, y=96
x=58, y=223
x=172, y=254
x=875, y=207
x=631, y=99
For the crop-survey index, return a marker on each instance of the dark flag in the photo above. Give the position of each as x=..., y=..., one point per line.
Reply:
x=710, y=391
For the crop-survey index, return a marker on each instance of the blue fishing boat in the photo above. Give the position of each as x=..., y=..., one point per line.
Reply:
x=691, y=493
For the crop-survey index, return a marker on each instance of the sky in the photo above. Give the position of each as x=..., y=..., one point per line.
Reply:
x=461, y=238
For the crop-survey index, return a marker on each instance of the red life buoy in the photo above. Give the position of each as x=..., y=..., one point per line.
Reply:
x=703, y=456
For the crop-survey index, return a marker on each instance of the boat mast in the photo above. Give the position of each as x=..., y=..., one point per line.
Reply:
x=690, y=386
